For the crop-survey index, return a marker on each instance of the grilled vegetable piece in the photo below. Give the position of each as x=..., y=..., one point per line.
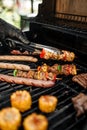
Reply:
x=10, y=119
x=64, y=55
x=27, y=81
x=47, y=103
x=35, y=122
x=21, y=100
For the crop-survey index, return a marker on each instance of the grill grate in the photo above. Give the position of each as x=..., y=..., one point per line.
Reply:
x=64, y=117
x=65, y=23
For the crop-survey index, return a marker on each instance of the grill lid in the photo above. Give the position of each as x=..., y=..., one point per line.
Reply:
x=62, y=24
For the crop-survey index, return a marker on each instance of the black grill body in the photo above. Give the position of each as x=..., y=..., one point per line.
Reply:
x=64, y=32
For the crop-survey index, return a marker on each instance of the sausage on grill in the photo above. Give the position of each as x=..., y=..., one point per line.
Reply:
x=26, y=81
x=14, y=66
x=18, y=58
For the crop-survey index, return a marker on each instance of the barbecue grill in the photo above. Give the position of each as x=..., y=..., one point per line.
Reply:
x=62, y=27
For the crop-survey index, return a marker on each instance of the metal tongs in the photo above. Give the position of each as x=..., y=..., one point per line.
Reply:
x=12, y=44
x=48, y=48
x=31, y=47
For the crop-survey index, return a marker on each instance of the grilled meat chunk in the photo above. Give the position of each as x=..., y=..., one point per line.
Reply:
x=80, y=103
x=81, y=79
x=18, y=52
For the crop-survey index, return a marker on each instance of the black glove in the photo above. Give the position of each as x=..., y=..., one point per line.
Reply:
x=9, y=31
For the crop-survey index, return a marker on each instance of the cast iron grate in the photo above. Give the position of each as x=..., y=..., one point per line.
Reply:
x=64, y=117
x=67, y=24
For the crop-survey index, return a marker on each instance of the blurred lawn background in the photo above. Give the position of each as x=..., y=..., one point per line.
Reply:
x=12, y=10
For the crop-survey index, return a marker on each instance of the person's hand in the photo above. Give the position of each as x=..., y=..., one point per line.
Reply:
x=9, y=31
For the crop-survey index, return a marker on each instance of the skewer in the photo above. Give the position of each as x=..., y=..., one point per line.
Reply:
x=16, y=70
x=49, y=53
x=48, y=78
x=56, y=78
x=66, y=69
x=11, y=74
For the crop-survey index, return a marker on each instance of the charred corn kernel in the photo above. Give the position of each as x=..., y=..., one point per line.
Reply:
x=35, y=122
x=21, y=100
x=47, y=103
x=10, y=119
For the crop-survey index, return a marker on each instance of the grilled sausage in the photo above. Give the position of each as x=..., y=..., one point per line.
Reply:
x=26, y=81
x=14, y=66
x=18, y=58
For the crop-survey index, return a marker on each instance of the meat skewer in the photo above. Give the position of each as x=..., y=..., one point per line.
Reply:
x=18, y=58
x=14, y=66
x=39, y=75
x=44, y=72
x=27, y=81
x=67, y=69
x=49, y=54
x=63, y=55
